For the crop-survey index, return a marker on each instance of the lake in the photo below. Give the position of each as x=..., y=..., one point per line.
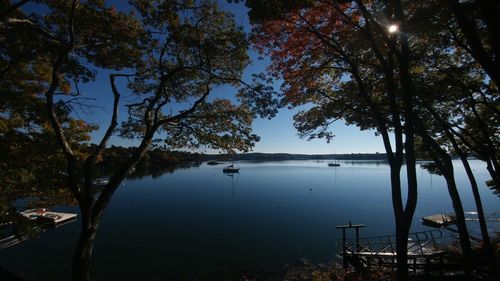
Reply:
x=197, y=221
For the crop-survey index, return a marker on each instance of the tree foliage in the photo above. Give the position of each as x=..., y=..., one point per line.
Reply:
x=169, y=57
x=418, y=85
x=314, y=49
x=194, y=54
x=30, y=42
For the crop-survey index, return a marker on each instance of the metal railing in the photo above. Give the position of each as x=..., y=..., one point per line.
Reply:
x=421, y=245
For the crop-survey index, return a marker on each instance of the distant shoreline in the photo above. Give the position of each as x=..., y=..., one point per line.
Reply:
x=116, y=154
x=258, y=156
x=288, y=156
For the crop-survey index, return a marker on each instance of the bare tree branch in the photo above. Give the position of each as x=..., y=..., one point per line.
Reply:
x=12, y=8
x=91, y=160
x=186, y=113
x=49, y=95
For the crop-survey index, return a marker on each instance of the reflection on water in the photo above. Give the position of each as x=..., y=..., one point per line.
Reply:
x=235, y=177
x=366, y=162
x=197, y=221
x=155, y=171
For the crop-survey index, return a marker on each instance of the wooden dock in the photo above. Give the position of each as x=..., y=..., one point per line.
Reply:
x=380, y=251
x=425, y=254
x=48, y=218
x=443, y=220
x=43, y=220
x=439, y=220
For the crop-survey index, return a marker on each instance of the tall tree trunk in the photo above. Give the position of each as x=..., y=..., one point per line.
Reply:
x=475, y=189
x=407, y=96
x=83, y=251
x=479, y=205
x=83, y=254
x=445, y=166
x=477, y=198
x=457, y=207
x=402, y=225
x=93, y=210
x=402, y=231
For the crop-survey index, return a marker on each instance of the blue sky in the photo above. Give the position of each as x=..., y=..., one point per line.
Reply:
x=277, y=135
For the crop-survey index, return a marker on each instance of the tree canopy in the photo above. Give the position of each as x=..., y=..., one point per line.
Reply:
x=416, y=83
x=168, y=57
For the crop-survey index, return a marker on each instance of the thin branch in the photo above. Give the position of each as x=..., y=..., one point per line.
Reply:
x=367, y=31
x=91, y=160
x=55, y=81
x=470, y=33
x=12, y=8
x=54, y=120
x=44, y=31
x=186, y=113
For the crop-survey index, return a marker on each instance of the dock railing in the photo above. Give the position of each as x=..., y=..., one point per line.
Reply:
x=382, y=249
x=345, y=247
x=423, y=242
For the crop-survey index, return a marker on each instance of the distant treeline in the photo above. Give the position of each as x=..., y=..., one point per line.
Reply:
x=287, y=156
x=117, y=154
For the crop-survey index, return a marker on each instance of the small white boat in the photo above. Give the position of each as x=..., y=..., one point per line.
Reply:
x=101, y=182
x=230, y=169
x=44, y=217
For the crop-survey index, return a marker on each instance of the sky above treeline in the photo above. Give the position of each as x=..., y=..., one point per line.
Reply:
x=276, y=135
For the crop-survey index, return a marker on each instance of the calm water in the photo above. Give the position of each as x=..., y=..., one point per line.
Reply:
x=199, y=220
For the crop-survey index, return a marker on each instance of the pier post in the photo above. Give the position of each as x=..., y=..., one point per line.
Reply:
x=344, y=240
x=357, y=240
x=344, y=249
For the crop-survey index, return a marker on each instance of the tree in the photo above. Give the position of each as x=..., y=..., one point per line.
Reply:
x=175, y=52
x=452, y=89
x=339, y=58
x=31, y=163
x=479, y=28
x=473, y=36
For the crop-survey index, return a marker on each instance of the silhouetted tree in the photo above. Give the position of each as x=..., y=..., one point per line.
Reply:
x=175, y=53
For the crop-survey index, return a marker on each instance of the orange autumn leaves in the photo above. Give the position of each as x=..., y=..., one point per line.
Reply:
x=300, y=48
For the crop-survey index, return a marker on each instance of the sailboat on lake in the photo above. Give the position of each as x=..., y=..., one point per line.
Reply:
x=334, y=164
x=231, y=169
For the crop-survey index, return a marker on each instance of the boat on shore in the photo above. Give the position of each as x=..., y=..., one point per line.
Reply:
x=213, y=163
x=333, y=164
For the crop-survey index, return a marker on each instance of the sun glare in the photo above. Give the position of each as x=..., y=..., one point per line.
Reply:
x=393, y=28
